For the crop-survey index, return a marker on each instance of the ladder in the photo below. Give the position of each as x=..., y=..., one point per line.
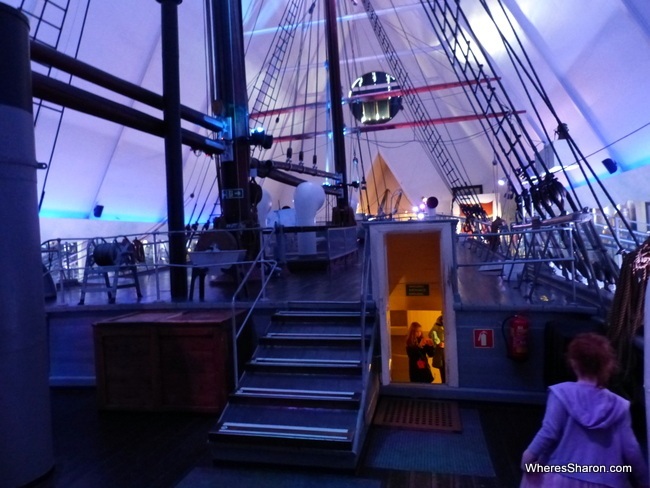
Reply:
x=513, y=147
x=457, y=183
x=267, y=89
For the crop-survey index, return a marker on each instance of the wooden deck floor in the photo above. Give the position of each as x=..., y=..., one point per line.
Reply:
x=341, y=281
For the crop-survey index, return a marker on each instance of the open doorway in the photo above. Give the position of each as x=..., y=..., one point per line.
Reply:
x=415, y=295
x=413, y=267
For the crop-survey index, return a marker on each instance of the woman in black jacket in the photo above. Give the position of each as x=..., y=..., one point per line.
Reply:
x=418, y=348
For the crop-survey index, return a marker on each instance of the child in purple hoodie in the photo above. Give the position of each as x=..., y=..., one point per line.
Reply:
x=586, y=439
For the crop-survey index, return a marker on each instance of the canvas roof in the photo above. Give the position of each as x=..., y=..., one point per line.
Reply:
x=588, y=55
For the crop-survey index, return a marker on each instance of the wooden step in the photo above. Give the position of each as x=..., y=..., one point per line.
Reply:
x=350, y=305
x=312, y=436
x=297, y=339
x=311, y=352
x=312, y=336
x=323, y=326
x=314, y=427
x=318, y=315
x=333, y=363
x=297, y=397
x=304, y=366
x=327, y=382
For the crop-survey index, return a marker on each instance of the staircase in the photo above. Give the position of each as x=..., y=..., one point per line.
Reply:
x=303, y=398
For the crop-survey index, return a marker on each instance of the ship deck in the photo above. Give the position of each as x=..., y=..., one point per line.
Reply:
x=161, y=449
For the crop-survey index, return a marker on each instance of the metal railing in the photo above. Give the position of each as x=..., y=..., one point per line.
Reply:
x=365, y=292
x=617, y=233
x=68, y=260
x=523, y=254
x=266, y=275
x=366, y=349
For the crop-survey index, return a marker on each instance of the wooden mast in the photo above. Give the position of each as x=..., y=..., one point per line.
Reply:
x=342, y=214
x=232, y=98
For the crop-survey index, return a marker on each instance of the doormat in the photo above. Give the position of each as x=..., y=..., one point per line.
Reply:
x=442, y=452
x=419, y=414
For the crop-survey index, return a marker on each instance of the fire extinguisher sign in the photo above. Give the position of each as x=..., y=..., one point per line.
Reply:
x=483, y=338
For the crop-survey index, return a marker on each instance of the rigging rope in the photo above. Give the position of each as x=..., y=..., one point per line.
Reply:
x=531, y=75
x=39, y=105
x=450, y=140
x=301, y=47
x=627, y=311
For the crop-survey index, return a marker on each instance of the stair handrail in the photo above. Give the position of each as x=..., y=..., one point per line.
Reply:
x=366, y=352
x=365, y=285
x=265, y=278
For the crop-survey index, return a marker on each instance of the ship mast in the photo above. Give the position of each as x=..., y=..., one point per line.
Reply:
x=342, y=214
x=231, y=100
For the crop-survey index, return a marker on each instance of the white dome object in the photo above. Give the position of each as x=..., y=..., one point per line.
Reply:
x=308, y=199
x=263, y=208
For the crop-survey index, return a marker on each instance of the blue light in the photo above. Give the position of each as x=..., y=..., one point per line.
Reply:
x=73, y=214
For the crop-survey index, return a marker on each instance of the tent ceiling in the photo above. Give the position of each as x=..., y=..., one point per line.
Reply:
x=588, y=54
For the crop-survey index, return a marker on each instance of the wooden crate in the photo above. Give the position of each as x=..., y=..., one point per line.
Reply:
x=173, y=361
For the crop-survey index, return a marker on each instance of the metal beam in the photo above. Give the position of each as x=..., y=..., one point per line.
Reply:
x=288, y=166
x=399, y=125
x=50, y=57
x=60, y=93
x=370, y=97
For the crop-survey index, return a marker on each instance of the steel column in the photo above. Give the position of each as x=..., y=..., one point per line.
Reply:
x=173, y=149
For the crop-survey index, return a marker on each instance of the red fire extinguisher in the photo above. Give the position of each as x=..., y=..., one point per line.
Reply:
x=516, y=336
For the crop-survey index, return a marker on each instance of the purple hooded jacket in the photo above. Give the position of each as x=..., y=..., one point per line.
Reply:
x=586, y=426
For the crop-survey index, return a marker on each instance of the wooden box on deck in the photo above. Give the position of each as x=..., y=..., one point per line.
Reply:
x=164, y=361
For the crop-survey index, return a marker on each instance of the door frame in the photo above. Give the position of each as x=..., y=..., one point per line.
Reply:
x=379, y=267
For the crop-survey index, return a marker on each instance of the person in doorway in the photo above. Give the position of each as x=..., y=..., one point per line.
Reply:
x=419, y=349
x=437, y=335
x=585, y=426
x=496, y=226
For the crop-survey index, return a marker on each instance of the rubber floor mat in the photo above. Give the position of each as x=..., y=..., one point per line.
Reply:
x=418, y=414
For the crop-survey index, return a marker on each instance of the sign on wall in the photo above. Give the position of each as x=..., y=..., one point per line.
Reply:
x=484, y=338
x=417, y=289
x=232, y=193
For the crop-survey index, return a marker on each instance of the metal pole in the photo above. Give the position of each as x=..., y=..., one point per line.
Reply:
x=83, y=101
x=173, y=149
x=51, y=57
x=26, y=450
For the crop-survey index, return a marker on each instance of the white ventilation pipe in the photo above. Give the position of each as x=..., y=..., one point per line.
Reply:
x=263, y=208
x=26, y=451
